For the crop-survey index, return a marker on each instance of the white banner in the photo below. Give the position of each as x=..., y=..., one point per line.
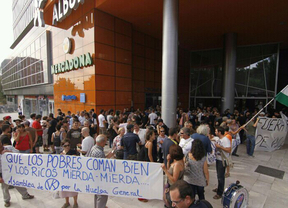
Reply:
x=271, y=133
x=84, y=175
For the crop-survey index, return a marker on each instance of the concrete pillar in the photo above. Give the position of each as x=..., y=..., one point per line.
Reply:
x=170, y=61
x=229, y=70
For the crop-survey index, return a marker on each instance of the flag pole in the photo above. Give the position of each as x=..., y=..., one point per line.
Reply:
x=258, y=113
x=263, y=108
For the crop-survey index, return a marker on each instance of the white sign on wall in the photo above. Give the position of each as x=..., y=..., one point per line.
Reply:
x=84, y=175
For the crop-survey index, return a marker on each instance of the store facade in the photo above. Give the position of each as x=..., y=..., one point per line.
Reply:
x=107, y=54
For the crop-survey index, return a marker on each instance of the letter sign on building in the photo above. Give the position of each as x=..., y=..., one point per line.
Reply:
x=63, y=9
x=68, y=65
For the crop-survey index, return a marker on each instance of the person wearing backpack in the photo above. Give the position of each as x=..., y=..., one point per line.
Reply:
x=56, y=139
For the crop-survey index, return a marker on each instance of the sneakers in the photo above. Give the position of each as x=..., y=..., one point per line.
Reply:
x=28, y=196
x=7, y=204
x=75, y=206
x=66, y=205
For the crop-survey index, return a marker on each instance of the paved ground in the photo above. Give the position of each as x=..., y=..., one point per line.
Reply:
x=264, y=191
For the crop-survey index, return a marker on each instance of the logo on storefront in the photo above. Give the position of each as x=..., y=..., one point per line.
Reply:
x=63, y=8
x=38, y=15
x=68, y=97
x=67, y=45
x=76, y=63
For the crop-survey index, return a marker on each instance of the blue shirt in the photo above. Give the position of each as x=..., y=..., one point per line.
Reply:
x=205, y=140
x=129, y=142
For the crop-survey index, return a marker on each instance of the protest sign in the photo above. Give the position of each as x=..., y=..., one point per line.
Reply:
x=84, y=175
x=270, y=133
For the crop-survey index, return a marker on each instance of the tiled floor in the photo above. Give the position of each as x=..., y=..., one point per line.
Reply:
x=264, y=191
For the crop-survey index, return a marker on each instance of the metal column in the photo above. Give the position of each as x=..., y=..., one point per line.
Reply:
x=229, y=70
x=170, y=61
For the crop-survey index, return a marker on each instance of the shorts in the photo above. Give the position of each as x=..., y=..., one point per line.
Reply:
x=132, y=157
x=45, y=140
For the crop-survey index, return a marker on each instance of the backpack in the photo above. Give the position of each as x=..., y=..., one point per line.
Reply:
x=57, y=140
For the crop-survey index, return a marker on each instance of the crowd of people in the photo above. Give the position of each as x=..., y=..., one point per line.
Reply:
x=139, y=135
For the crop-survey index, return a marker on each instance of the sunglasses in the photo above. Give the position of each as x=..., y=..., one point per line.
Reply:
x=162, y=131
x=67, y=145
x=181, y=133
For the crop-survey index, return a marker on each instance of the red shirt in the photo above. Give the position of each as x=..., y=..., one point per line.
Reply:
x=23, y=143
x=36, y=125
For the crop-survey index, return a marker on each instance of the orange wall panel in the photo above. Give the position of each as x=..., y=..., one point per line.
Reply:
x=138, y=74
x=123, y=98
x=139, y=62
x=139, y=97
x=104, y=67
x=138, y=86
x=149, y=64
x=149, y=76
x=123, y=70
x=105, y=98
x=123, y=27
x=123, y=84
x=138, y=37
x=104, y=20
x=123, y=56
x=105, y=82
x=104, y=36
x=138, y=50
x=104, y=52
x=150, y=53
x=123, y=42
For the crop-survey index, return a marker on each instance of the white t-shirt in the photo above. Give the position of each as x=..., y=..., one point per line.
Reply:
x=141, y=133
x=152, y=117
x=224, y=142
x=81, y=119
x=109, y=118
x=101, y=118
x=87, y=143
x=31, y=121
x=186, y=145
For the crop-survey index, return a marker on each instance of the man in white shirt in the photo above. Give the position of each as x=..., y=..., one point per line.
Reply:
x=102, y=122
x=110, y=117
x=222, y=145
x=32, y=119
x=186, y=140
x=152, y=116
x=87, y=143
x=140, y=132
x=81, y=118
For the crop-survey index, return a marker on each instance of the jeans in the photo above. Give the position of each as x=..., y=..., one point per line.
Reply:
x=25, y=151
x=220, y=176
x=100, y=201
x=250, y=147
x=6, y=194
x=198, y=190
